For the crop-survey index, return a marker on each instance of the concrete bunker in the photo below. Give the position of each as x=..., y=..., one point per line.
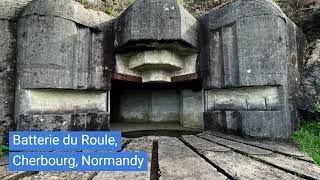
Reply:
x=156, y=83
x=235, y=68
x=156, y=106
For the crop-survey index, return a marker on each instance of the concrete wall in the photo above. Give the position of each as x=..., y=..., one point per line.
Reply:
x=162, y=106
x=191, y=110
x=134, y=106
x=9, y=12
x=149, y=106
x=165, y=106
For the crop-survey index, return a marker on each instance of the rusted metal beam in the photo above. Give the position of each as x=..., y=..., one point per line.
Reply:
x=124, y=77
x=187, y=77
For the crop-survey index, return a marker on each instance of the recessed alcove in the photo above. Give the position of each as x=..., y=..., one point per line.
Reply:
x=156, y=106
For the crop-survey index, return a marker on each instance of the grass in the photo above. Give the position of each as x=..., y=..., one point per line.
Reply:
x=3, y=149
x=308, y=137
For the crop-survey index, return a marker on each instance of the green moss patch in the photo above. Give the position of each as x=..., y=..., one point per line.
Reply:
x=3, y=149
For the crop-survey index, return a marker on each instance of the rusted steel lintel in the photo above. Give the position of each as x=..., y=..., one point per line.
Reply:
x=187, y=77
x=124, y=77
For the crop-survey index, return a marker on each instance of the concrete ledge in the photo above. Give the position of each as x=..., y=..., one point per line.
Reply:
x=64, y=122
x=61, y=102
x=156, y=65
x=158, y=59
x=245, y=98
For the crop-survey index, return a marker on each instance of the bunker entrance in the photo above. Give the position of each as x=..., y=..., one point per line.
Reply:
x=151, y=107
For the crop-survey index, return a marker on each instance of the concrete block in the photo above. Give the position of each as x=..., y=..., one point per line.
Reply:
x=246, y=98
x=253, y=52
x=64, y=122
x=263, y=124
x=62, y=55
x=61, y=47
x=219, y=120
x=244, y=44
x=53, y=101
x=156, y=21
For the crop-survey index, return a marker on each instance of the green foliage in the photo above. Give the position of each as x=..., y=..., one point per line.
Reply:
x=116, y=7
x=3, y=149
x=111, y=11
x=316, y=11
x=185, y=3
x=308, y=137
x=88, y=5
x=317, y=107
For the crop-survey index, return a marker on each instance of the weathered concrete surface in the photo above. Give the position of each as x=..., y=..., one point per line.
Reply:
x=134, y=106
x=48, y=101
x=157, y=65
x=192, y=157
x=63, y=46
x=307, y=169
x=9, y=12
x=248, y=44
x=290, y=164
x=162, y=106
x=135, y=127
x=61, y=176
x=191, y=109
x=11, y=9
x=246, y=98
x=149, y=106
x=66, y=44
x=262, y=124
x=177, y=161
x=156, y=20
x=161, y=59
x=5, y=174
x=68, y=9
x=235, y=145
x=254, y=123
x=137, y=145
x=204, y=145
x=165, y=106
x=4, y=171
x=237, y=165
x=252, y=111
x=289, y=149
x=64, y=122
x=62, y=55
x=156, y=40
